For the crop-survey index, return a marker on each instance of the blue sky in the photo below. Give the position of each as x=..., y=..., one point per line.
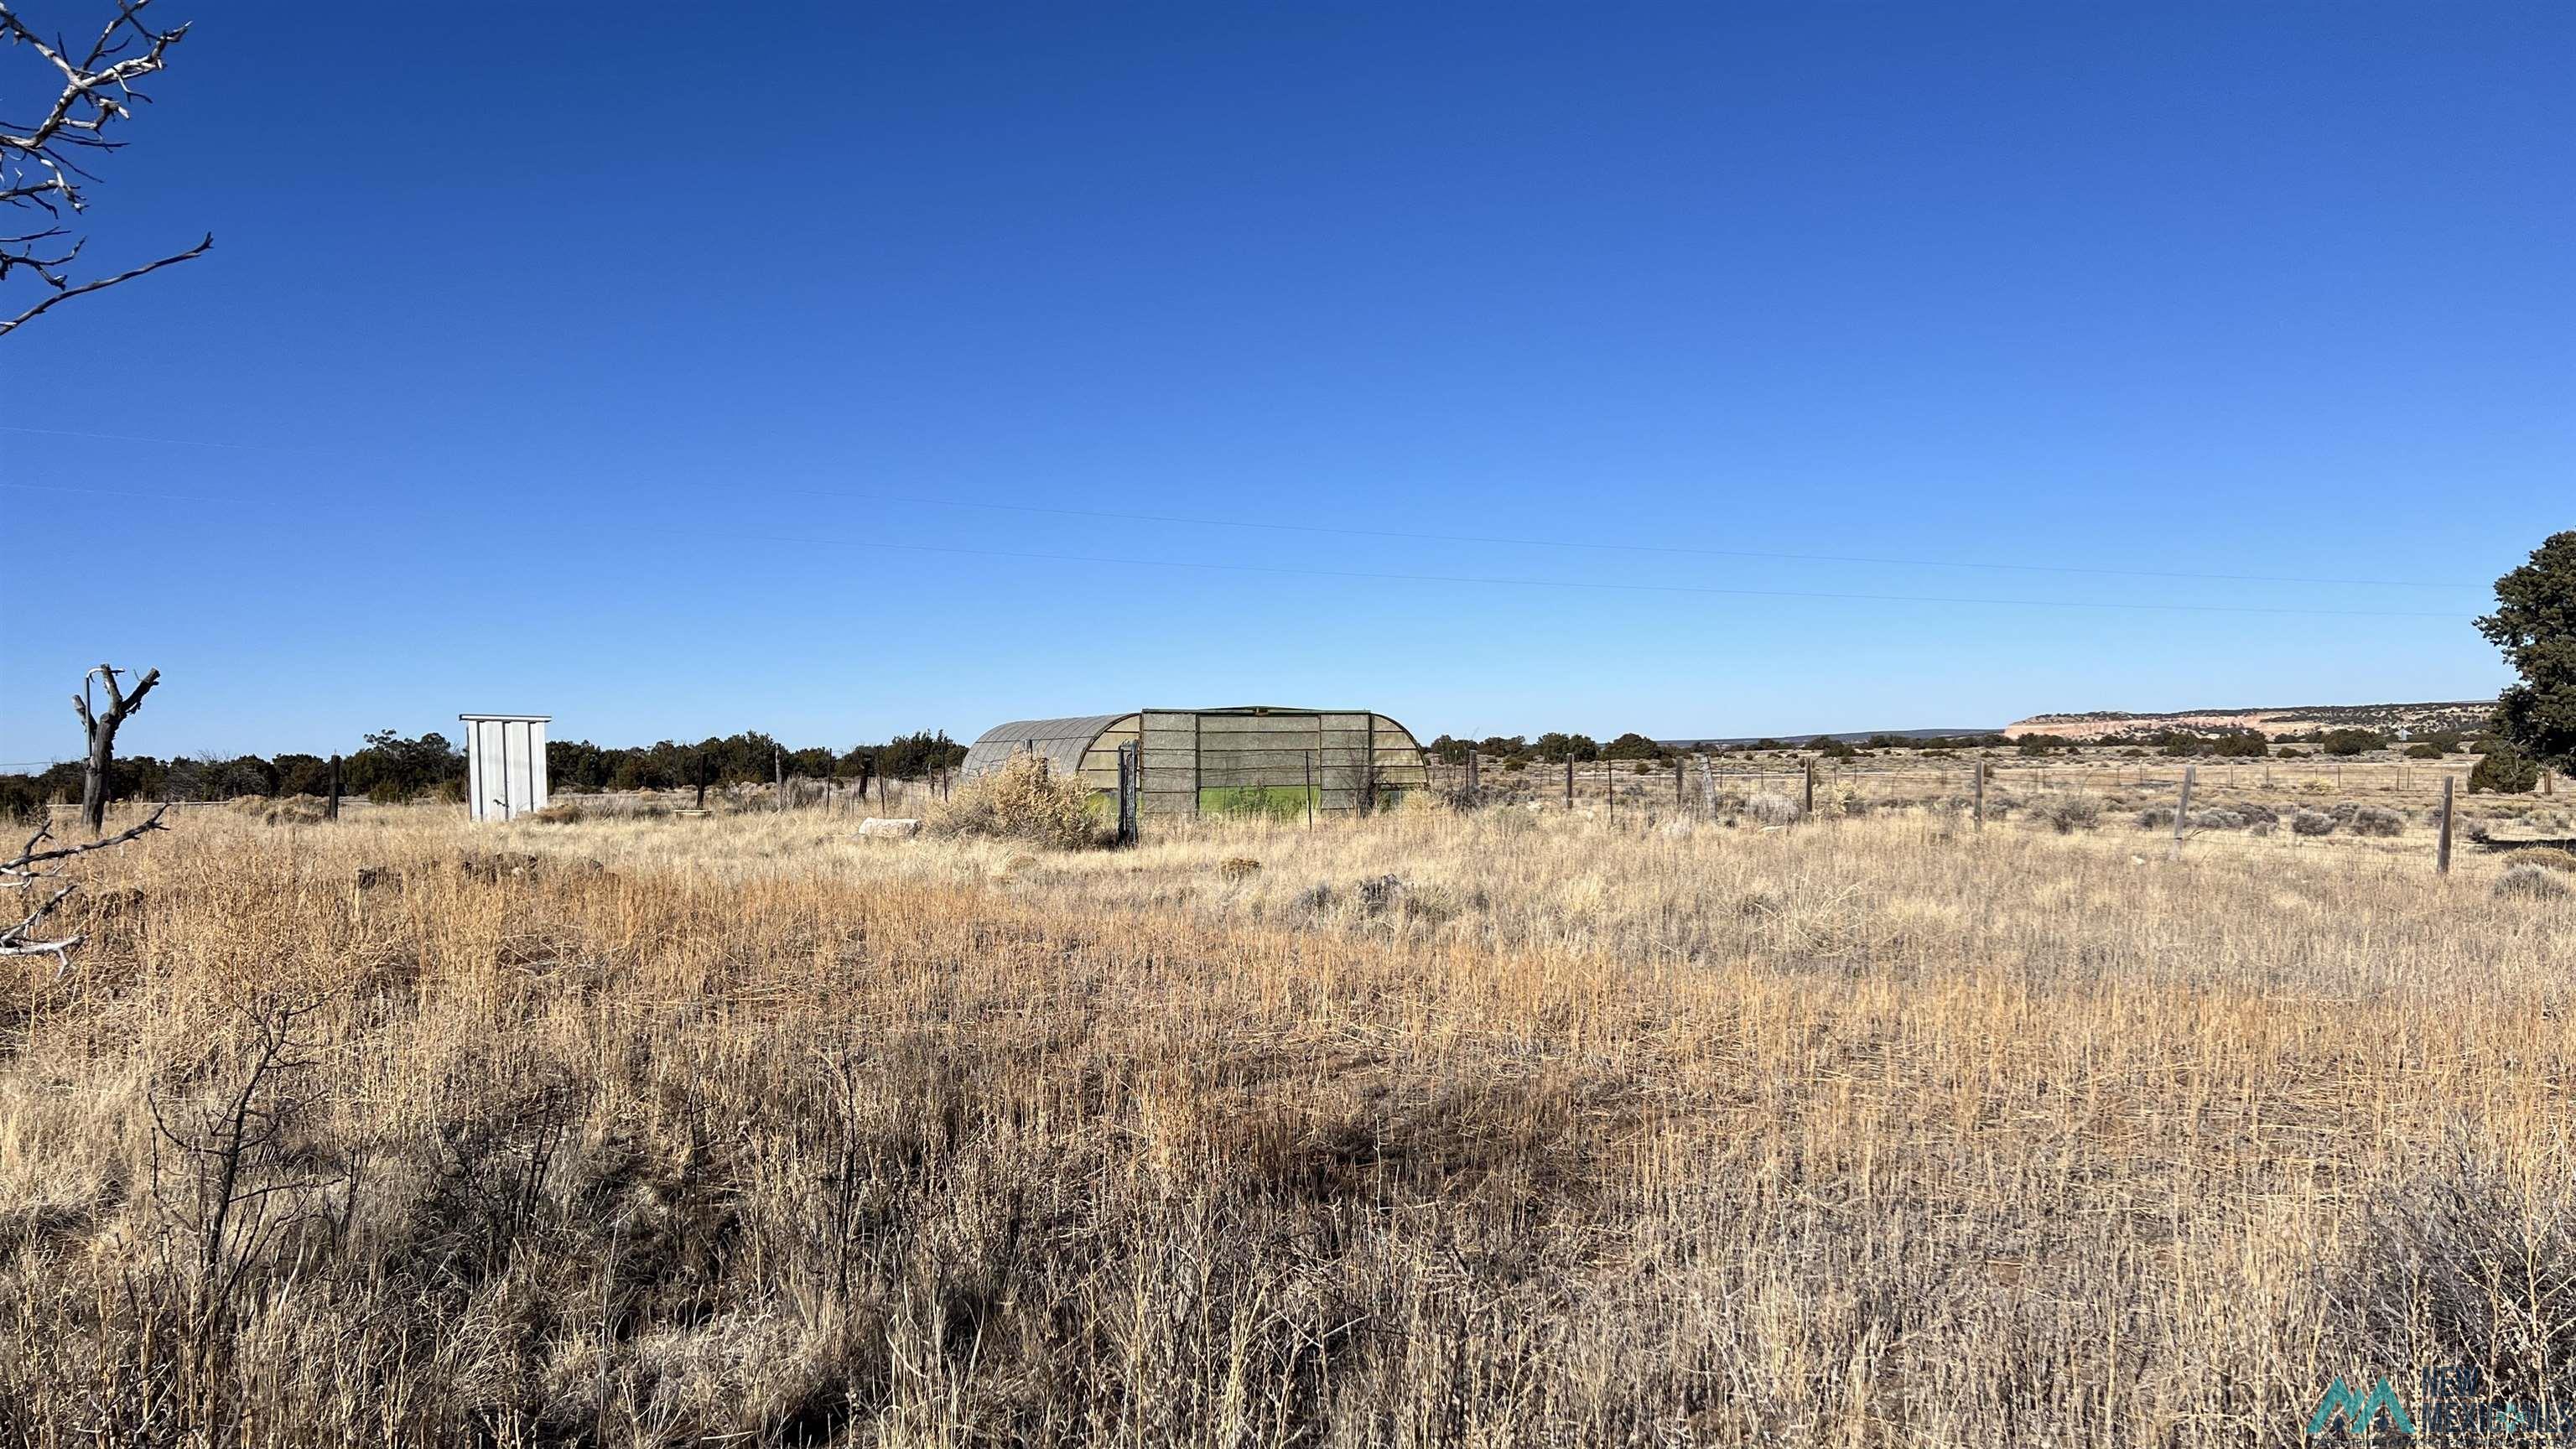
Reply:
x=585, y=359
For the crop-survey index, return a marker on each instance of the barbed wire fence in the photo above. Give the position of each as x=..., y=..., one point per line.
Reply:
x=2440, y=826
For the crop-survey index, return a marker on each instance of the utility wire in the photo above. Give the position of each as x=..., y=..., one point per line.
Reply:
x=1588, y=584
x=121, y=493
x=1317, y=528
x=1615, y=547
x=168, y=442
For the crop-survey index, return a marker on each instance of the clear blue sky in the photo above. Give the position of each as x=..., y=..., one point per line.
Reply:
x=563, y=358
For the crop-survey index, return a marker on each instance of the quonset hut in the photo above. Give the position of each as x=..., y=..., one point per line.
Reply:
x=1246, y=759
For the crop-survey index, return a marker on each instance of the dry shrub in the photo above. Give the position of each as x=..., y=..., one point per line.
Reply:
x=1772, y=809
x=1022, y=800
x=2468, y=1262
x=2066, y=814
x=2531, y=883
x=2376, y=820
x=283, y=810
x=2547, y=857
x=1240, y=867
x=2312, y=822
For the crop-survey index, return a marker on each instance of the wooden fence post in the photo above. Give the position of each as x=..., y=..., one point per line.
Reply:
x=1980, y=768
x=1127, y=793
x=1708, y=787
x=332, y=812
x=778, y=776
x=1569, y=780
x=1677, y=784
x=1811, y=789
x=2442, y=845
x=1473, y=793
x=2182, y=811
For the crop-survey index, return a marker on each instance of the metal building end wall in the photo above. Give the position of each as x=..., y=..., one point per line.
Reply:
x=1241, y=756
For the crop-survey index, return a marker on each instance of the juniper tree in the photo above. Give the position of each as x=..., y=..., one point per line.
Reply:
x=2535, y=625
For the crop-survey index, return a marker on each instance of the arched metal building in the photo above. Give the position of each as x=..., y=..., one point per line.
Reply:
x=1246, y=758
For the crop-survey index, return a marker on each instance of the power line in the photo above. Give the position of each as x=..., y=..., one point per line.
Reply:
x=1329, y=529
x=1589, y=584
x=120, y=493
x=1616, y=547
x=168, y=442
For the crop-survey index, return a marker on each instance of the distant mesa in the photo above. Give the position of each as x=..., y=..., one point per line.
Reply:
x=2466, y=716
x=1847, y=736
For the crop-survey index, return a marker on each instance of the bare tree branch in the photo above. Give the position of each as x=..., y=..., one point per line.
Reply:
x=68, y=293
x=17, y=872
x=38, y=165
x=27, y=868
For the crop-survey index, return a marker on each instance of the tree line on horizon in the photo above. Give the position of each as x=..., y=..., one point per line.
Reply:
x=2534, y=727
x=392, y=767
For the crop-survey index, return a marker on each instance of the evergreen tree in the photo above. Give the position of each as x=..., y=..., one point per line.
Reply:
x=2535, y=625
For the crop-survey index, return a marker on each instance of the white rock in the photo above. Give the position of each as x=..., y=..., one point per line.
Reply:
x=879, y=828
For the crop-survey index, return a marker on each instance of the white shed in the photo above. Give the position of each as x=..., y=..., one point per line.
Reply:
x=505, y=764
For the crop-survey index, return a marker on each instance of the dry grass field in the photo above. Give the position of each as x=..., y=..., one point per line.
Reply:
x=1500, y=1128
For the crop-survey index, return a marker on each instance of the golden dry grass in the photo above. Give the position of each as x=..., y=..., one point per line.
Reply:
x=1437, y=1128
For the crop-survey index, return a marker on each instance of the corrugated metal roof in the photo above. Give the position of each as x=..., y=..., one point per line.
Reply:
x=1061, y=741
x=1064, y=741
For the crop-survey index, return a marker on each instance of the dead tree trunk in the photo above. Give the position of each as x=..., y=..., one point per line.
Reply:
x=102, y=727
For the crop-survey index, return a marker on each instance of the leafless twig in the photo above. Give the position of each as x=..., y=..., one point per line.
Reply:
x=40, y=160
x=234, y=1156
x=29, y=867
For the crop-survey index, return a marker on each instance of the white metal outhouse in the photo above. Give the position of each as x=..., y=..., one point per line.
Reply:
x=505, y=764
